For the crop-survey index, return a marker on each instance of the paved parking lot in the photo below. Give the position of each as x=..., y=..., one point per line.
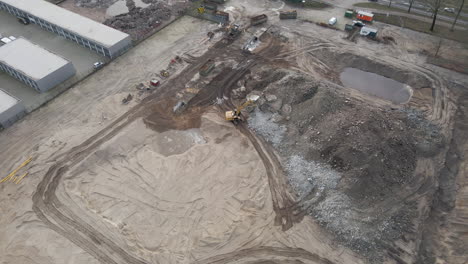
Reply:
x=81, y=58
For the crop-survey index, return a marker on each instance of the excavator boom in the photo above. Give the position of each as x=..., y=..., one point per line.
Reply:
x=244, y=105
x=236, y=114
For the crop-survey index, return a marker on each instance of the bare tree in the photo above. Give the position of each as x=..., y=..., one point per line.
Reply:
x=458, y=14
x=390, y=3
x=411, y=5
x=434, y=6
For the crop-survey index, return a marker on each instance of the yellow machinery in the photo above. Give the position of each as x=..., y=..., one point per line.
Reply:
x=201, y=10
x=164, y=73
x=11, y=176
x=235, y=115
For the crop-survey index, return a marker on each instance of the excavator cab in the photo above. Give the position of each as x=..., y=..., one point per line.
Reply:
x=235, y=115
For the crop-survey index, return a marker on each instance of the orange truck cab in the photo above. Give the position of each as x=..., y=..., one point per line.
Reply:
x=365, y=16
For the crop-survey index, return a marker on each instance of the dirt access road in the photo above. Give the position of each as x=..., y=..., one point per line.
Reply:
x=62, y=226
x=62, y=202
x=139, y=184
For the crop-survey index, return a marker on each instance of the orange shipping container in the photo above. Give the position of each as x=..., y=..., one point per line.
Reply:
x=366, y=16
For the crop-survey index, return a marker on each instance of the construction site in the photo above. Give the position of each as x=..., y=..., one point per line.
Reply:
x=244, y=132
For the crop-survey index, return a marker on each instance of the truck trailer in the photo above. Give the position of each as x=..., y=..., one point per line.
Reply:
x=288, y=14
x=257, y=20
x=365, y=16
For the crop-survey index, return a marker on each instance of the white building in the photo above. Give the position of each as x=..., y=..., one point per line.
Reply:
x=11, y=109
x=33, y=65
x=82, y=30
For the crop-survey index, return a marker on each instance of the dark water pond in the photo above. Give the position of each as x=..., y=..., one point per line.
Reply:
x=376, y=85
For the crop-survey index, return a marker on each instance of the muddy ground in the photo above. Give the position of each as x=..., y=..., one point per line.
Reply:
x=318, y=172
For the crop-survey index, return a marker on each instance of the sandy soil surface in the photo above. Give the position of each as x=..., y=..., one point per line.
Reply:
x=58, y=127
x=140, y=183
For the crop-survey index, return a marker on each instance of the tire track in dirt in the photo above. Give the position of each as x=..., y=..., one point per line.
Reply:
x=267, y=255
x=52, y=212
x=286, y=208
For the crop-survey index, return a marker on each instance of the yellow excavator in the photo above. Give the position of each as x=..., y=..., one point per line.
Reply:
x=235, y=115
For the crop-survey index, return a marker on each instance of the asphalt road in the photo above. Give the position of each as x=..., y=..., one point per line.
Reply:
x=420, y=9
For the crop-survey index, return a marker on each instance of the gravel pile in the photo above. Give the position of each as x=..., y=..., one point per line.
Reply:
x=263, y=124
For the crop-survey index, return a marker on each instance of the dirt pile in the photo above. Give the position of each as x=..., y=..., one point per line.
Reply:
x=140, y=22
x=352, y=165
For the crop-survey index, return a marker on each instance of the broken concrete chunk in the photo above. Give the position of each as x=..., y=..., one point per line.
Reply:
x=276, y=105
x=271, y=97
x=286, y=109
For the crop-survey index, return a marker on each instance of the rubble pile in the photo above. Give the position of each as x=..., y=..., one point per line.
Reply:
x=95, y=3
x=345, y=159
x=140, y=22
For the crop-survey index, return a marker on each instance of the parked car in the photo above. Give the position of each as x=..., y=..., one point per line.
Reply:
x=449, y=9
x=358, y=23
x=98, y=65
x=155, y=82
x=332, y=21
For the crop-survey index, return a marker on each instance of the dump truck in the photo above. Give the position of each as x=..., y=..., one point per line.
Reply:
x=292, y=14
x=207, y=67
x=257, y=20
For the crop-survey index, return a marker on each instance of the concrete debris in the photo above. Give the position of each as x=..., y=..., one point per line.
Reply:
x=263, y=125
x=270, y=97
x=325, y=142
x=140, y=22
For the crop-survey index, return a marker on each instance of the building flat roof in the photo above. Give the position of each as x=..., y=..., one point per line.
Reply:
x=6, y=101
x=30, y=59
x=365, y=13
x=68, y=20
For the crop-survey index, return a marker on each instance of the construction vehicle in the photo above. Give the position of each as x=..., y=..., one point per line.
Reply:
x=207, y=67
x=164, y=73
x=233, y=31
x=236, y=114
x=127, y=99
